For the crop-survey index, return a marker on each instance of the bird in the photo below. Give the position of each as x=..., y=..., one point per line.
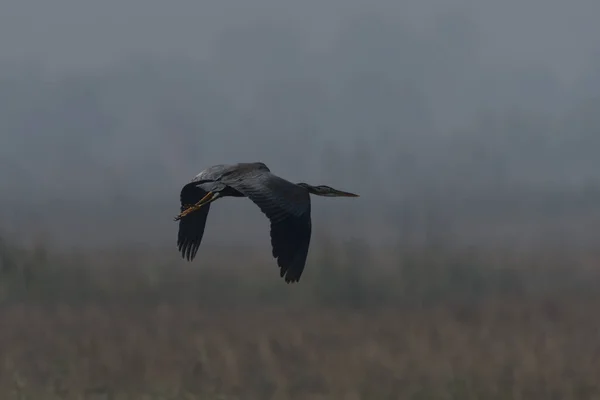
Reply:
x=285, y=204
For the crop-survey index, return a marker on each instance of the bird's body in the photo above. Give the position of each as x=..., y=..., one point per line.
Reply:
x=286, y=204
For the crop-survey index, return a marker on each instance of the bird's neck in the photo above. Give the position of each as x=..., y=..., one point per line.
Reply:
x=309, y=188
x=316, y=190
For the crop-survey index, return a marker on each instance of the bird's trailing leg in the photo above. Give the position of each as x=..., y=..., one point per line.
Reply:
x=210, y=197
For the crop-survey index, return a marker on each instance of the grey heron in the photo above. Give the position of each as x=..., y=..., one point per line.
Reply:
x=286, y=205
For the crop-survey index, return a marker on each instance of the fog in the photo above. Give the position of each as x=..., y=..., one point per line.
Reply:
x=474, y=122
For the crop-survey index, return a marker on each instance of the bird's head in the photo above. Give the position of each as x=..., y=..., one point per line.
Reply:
x=326, y=191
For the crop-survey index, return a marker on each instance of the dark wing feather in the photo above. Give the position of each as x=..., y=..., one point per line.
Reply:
x=288, y=208
x=191, y=227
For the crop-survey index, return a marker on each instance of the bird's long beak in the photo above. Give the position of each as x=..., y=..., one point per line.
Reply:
x=341, y=193
x=210, y=197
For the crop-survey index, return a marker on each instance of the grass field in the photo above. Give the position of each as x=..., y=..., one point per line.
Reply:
x=441, y=327
x=498, y=350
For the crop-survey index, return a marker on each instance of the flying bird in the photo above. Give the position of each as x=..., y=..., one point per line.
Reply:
x=286, y=204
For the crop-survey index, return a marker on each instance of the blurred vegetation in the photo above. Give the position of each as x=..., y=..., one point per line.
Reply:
x=347, y=274
x=415, y=323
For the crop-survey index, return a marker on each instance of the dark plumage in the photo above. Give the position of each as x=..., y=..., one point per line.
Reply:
x=287, y=205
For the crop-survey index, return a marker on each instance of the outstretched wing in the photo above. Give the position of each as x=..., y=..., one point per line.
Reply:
x=191, y=228
x=288, y=208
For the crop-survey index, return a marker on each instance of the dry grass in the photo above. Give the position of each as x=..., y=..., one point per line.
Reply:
x=440, y=325
x=498, y=350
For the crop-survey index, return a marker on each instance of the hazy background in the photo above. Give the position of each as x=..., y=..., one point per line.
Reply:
x=479, y=115
x=468, y=268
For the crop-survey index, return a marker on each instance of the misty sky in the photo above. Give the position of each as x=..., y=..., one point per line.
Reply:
x=71, y=33
x=439, y=113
